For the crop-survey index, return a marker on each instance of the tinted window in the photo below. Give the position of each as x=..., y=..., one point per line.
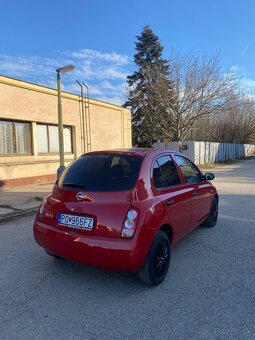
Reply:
x=189, y=171
x=165, y=173
x=159, y=181
x=102, y=173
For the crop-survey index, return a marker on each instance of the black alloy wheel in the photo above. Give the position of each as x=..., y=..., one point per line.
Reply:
x=157, y=262
x=161, y=258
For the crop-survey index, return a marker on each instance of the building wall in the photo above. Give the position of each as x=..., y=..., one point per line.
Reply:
x=105, y=126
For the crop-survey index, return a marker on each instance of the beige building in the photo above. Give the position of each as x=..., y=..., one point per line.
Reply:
x=29, y=133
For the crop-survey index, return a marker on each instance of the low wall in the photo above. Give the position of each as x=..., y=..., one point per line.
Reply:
x=208, y=152
x=30, y=169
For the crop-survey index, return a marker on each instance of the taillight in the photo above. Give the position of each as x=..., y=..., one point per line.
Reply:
x=130, y=223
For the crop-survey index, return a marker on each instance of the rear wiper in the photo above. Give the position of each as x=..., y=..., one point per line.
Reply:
x=74, y=185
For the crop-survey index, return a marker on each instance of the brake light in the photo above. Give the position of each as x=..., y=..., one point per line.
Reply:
x=130, y=223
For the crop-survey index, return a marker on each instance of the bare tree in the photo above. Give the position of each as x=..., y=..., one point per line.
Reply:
x=199, y=88
x=234, y=125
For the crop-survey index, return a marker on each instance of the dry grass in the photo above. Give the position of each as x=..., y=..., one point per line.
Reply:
x=226, y=162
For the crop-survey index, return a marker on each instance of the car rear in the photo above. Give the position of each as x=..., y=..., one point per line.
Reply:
x=89, y=216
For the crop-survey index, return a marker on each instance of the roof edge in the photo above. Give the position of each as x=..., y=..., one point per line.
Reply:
x=49, y=90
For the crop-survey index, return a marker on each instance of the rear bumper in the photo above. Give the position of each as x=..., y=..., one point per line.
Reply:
x=110, y=253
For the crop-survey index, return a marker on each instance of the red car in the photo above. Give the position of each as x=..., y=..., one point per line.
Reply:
x=122, y=210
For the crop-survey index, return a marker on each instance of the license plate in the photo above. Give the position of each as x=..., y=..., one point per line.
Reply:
x=75, y=221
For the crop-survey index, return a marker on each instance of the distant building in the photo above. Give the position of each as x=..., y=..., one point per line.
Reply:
x=29, y=133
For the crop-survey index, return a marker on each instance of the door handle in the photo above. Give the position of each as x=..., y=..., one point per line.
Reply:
x=170, y=202
x=194, y=193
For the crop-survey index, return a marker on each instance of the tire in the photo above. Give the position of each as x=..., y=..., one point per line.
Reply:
x=157, y=262
x=213, y=215
x=53, y=255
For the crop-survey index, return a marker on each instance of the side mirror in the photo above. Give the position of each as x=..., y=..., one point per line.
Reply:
x=209, y=176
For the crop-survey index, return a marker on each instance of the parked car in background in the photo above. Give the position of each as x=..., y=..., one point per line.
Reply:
x=123, y=210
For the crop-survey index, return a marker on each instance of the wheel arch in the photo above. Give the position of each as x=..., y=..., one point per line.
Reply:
x=166, y=228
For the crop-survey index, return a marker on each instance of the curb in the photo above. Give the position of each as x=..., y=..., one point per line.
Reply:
x=16, y=214
x=19, y=212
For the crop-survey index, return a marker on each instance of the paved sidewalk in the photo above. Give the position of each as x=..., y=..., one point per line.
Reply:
x=21, y=199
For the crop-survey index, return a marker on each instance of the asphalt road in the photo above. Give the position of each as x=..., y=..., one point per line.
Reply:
x=209, y=292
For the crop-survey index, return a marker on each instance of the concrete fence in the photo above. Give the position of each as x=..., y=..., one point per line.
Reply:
x=208, y=152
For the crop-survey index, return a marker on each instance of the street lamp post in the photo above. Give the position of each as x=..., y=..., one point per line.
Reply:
x=64, y=69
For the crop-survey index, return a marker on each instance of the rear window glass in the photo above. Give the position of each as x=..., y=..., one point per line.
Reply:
x=102, y=173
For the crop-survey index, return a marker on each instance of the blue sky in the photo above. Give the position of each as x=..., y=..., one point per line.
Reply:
x=98, y=38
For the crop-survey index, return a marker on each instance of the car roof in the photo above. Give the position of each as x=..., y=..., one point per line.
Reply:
x=142, y=152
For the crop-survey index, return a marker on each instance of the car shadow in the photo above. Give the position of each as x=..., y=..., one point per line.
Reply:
x=92, y=278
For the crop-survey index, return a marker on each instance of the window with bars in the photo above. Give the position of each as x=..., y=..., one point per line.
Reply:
x=48, y=139
x=15, y=138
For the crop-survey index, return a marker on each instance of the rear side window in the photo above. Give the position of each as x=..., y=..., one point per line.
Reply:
x=102, y=173
x=165, y=173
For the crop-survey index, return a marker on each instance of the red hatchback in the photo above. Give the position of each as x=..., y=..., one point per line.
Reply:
x=122, y=210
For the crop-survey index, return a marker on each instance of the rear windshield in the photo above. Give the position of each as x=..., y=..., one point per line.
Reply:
x=102, y=173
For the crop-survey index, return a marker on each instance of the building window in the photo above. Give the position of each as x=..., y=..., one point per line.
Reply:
x=48, y=139
x=15, y=138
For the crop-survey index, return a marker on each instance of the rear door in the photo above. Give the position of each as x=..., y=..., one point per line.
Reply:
x=174, y=200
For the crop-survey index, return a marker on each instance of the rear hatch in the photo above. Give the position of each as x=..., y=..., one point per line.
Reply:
x=94, y=194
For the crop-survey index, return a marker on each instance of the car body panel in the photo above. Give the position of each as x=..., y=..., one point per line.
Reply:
x=178, y=214
x=108, y=212
x=114, y=254
x=201, y=203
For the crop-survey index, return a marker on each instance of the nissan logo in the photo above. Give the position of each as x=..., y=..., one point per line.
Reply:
x=80, y=196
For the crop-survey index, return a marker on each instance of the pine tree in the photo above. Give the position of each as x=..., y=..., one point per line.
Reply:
x=148, y=112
